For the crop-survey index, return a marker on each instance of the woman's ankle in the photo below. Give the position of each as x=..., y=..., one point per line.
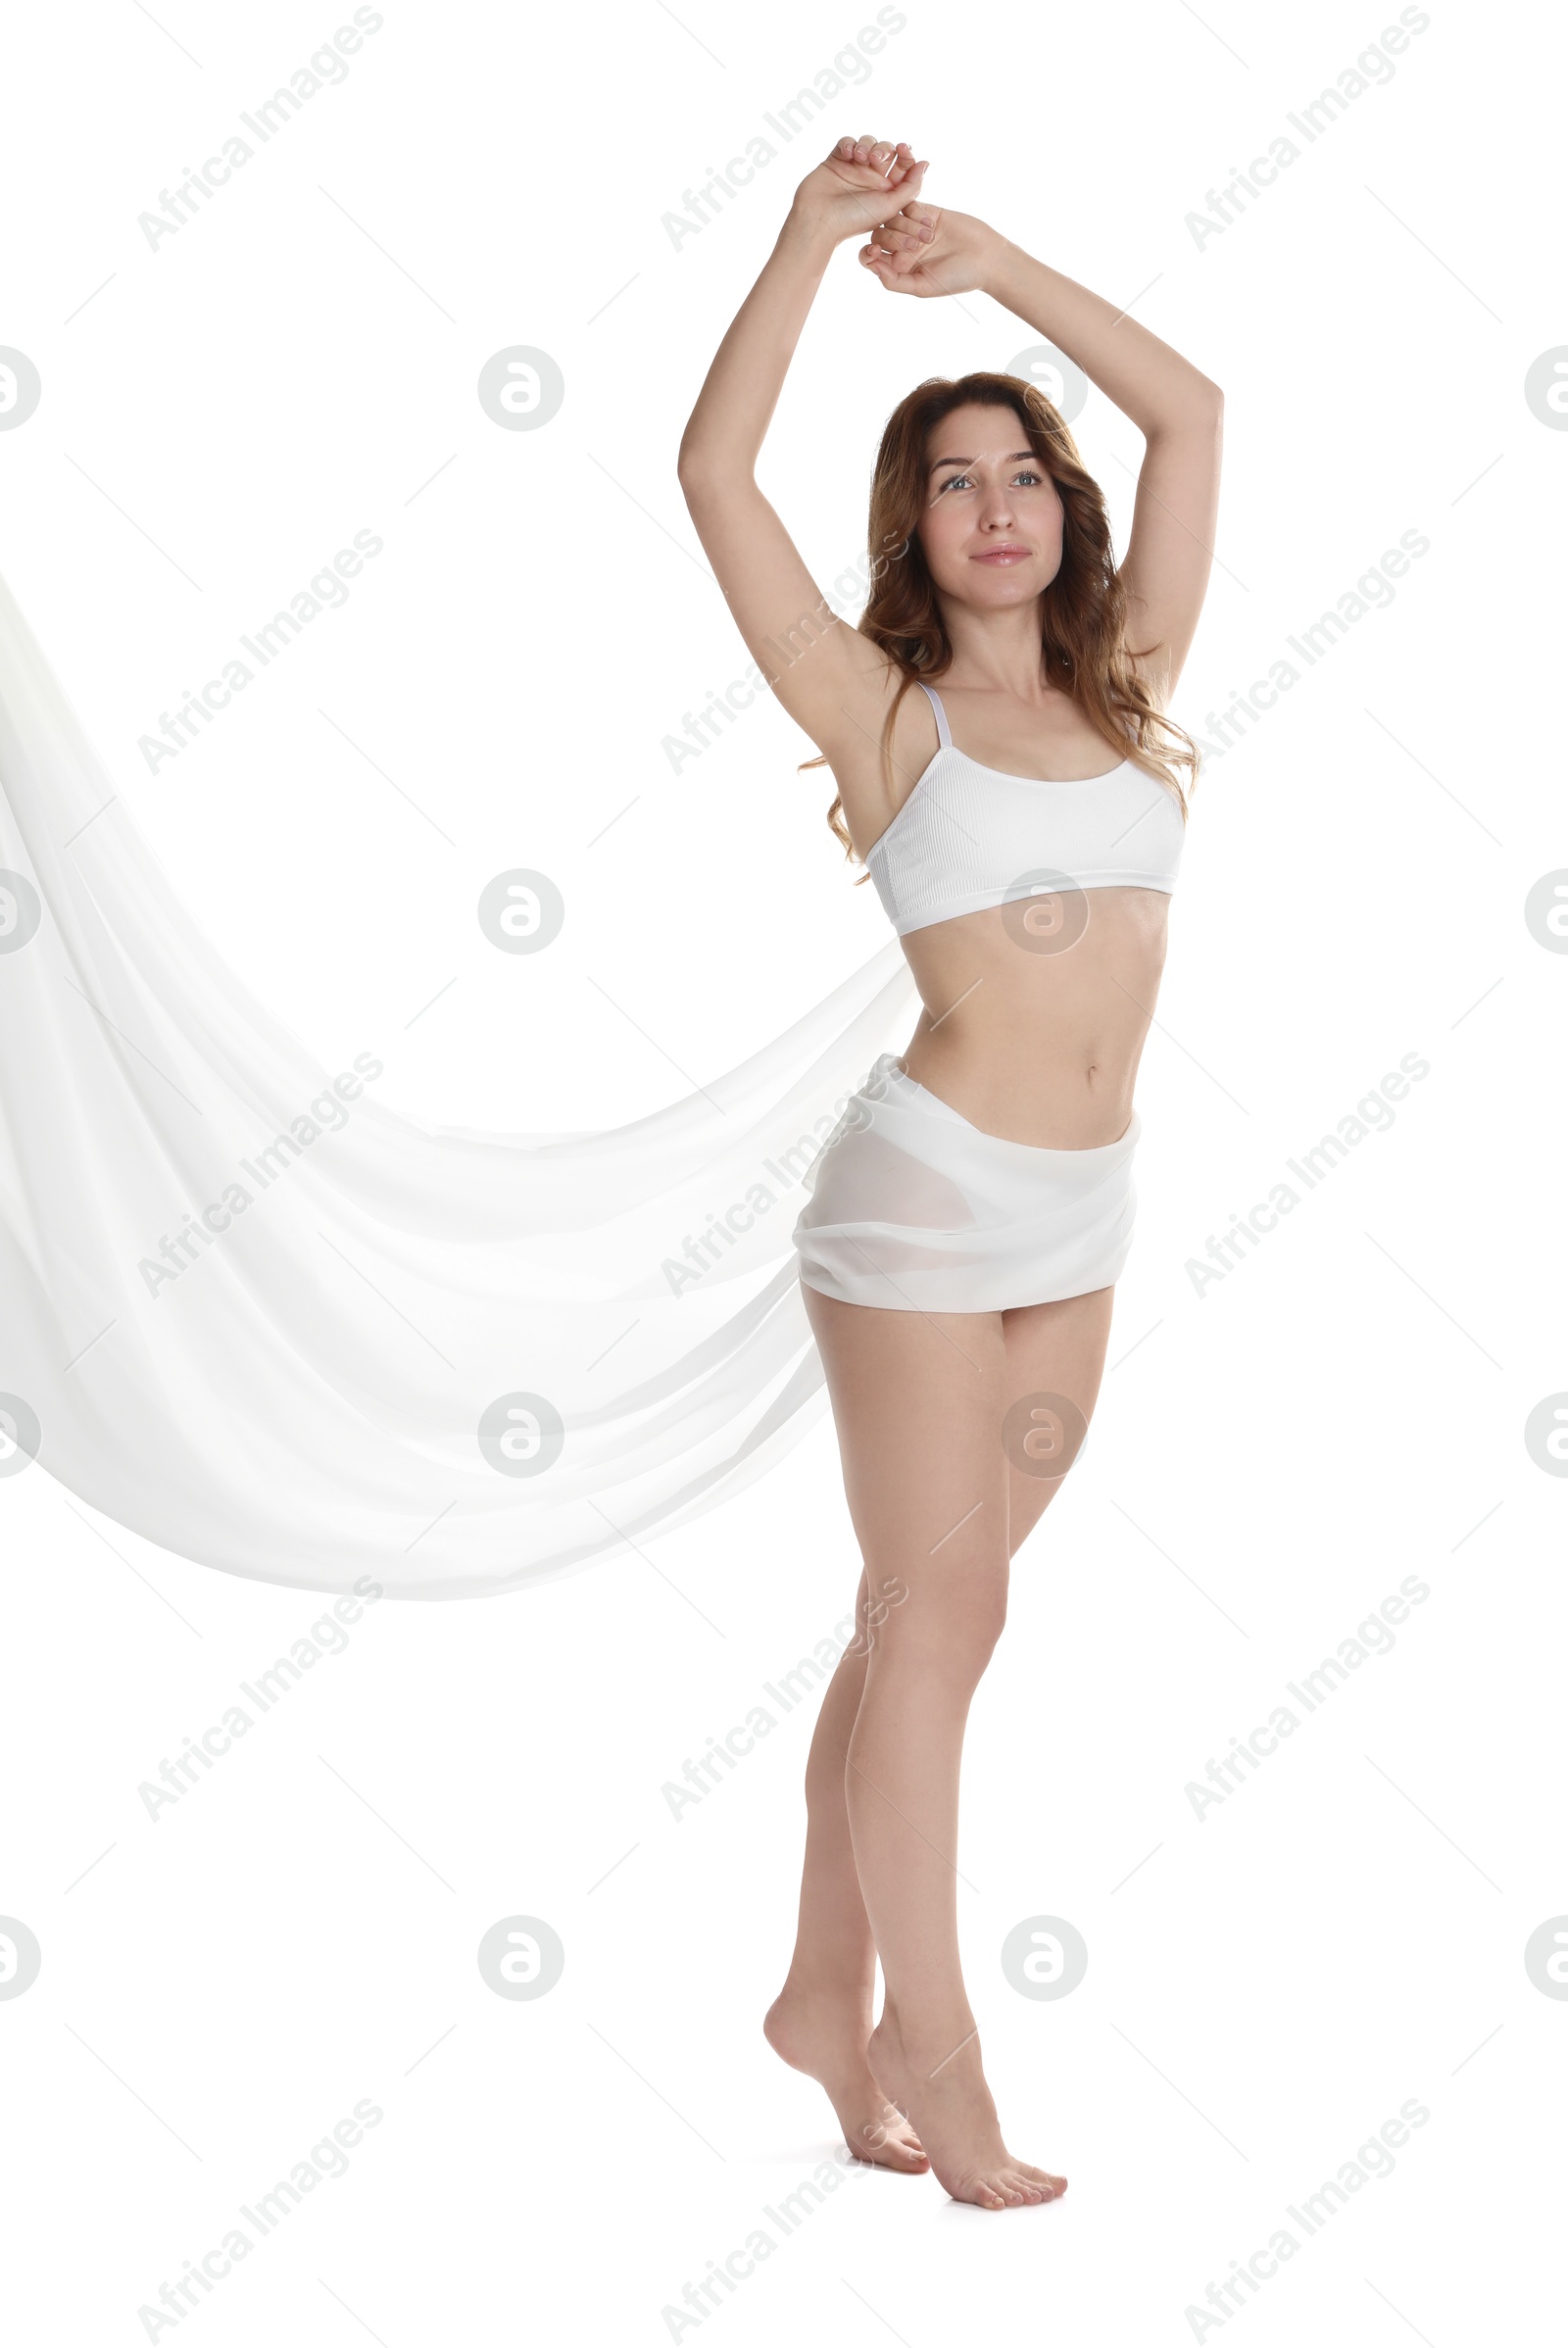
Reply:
x=813, y=1985
x=931, y=2038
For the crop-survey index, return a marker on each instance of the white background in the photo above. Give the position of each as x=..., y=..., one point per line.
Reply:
x=1266, y=1985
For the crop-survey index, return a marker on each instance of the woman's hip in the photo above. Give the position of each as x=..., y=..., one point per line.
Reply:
x=912, y=1209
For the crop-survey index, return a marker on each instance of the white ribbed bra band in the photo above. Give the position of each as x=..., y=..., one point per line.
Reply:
x=970, y=837
x=284, y=1329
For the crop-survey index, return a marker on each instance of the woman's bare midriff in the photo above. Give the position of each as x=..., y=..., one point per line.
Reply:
x=1036, y=1013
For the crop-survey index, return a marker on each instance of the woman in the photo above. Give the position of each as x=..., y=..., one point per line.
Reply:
x=974, y=1208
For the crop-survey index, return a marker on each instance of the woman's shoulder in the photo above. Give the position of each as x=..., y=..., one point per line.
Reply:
x=881, y=749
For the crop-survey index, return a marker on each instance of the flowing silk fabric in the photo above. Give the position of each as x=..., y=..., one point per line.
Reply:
x=452, y=1359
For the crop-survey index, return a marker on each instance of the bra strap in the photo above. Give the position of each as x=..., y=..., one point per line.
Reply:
x=942, y=735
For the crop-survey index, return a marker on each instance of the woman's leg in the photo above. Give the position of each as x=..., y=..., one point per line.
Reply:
x=821, y=2019
x=919, y=1402
x=1051, y=1349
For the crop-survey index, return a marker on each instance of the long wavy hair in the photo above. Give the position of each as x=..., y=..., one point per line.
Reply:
x=1082, y=612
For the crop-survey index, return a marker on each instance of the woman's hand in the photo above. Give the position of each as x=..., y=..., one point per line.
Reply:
x=920, y=250
x=861, y=183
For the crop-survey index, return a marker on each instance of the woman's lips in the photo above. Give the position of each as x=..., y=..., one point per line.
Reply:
x=1001, y=557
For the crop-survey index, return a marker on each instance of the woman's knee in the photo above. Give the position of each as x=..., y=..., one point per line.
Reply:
x=947, y=1627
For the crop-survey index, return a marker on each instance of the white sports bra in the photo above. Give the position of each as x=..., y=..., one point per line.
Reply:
x=969, y=836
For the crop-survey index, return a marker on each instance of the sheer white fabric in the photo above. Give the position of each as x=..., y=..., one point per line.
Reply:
x=914, y=1209
x=285, y=1331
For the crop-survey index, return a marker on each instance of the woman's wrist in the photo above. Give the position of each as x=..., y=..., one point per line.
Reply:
x=810, y=234
x=995, y=268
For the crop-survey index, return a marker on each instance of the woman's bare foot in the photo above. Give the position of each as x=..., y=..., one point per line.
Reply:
x=950, y=2103
x=827, y=2041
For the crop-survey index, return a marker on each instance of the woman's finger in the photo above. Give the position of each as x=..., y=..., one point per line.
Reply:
x=892, y=160
x=882, y=267
x=879, y=153
x=904, y=233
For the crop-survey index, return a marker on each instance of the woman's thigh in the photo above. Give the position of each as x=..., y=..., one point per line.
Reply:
x=1054, y=1360
x=917, y=1401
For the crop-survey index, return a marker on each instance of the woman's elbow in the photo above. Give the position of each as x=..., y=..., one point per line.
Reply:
x=704, y=473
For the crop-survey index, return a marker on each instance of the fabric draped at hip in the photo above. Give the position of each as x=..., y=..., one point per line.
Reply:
x=914, y=1209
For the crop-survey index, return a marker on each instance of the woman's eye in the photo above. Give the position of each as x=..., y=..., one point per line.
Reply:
x=1029, y=478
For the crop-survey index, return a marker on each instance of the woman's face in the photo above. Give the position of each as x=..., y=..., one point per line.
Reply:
x=990, y=527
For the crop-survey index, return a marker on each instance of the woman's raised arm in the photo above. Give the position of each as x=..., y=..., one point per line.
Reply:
x=829, y=677
x=1179, y=411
